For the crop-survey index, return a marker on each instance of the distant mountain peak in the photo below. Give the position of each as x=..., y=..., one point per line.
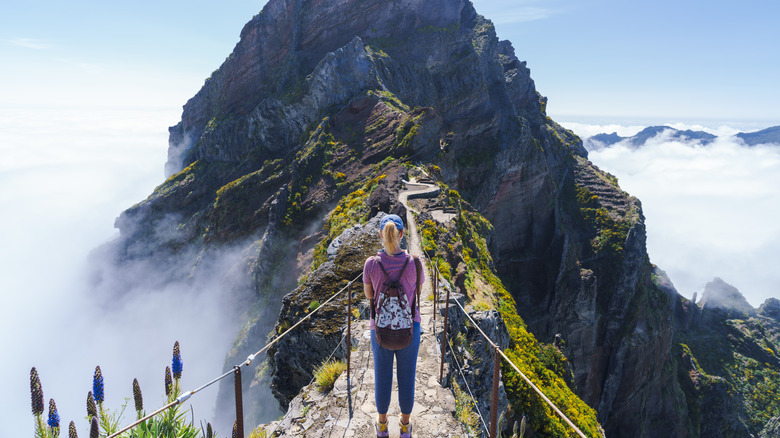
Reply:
x=770, y=308
x=599, y=141
x=720, y=295
x=640, y=139
x=764, y=136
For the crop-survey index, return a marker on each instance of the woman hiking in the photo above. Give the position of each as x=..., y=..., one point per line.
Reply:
x=393, y=267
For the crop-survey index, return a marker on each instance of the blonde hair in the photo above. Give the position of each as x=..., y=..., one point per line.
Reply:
x=391, y=238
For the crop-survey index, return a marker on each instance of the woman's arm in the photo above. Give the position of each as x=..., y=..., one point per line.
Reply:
x=368, y=289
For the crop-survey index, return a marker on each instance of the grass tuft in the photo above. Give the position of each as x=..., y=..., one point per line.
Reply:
x=328, y=373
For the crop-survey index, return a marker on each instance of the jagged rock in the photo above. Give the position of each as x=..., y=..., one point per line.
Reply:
x=719, y=295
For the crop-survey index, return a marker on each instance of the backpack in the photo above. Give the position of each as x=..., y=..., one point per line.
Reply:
x=393, y=315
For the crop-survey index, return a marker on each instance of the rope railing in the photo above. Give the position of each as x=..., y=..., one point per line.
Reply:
x=236, y=370
x=502, y=355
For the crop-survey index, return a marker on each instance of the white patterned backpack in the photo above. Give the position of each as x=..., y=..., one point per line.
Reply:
x=392, y=312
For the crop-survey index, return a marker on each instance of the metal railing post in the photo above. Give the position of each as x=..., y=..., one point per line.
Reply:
x=494, y=401
x=444, y=337
x=239, y=402
x=349, y=328
x=435, y=289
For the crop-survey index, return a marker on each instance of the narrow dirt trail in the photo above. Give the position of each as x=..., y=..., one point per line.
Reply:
x=348, y=410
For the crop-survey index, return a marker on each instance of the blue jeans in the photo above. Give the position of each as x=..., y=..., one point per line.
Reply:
x=406, y=366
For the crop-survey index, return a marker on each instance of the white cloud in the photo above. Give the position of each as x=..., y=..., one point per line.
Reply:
x=65, y=175
x=711, y=211
x=585, y=130
x=30, y=43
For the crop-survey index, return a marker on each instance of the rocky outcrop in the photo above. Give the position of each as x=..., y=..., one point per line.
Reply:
x=770, y=309
x=722, y=297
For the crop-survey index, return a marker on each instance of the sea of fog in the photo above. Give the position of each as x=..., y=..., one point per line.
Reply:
x=65, y=175
x=711, y=211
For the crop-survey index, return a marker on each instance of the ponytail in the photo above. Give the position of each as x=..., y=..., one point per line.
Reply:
x=391, y=238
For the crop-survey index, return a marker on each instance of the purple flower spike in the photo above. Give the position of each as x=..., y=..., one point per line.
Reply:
x=54, y=417
x=176, y=365
x=94, y=429
x=168, y=381
x=91, y=408
x=36, y=392
x=137, y=397
x=97, y=385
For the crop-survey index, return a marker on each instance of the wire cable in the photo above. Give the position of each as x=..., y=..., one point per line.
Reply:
x=527, y=380
x=471, y=394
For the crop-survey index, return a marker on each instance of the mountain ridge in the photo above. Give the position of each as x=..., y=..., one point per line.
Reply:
x=599, y=141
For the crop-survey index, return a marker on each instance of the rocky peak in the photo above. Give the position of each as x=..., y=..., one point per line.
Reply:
x=720, y=295
x=283, y=45
x=770, y=309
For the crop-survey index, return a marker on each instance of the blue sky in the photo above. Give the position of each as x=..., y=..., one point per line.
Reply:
x=691, y=60
x=683, y=59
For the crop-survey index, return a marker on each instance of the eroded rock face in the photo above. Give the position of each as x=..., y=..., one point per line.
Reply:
x=618, y=325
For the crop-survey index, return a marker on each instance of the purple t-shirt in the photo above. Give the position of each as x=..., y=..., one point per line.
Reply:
x=373, y=275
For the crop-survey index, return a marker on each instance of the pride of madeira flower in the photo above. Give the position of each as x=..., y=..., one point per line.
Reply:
x=168, y=381
x=94, y=429
x=36, y=392
x=72, y=430
x=54, y=418
x=91, y=408
x=138, y=397
x=97, y=385
x=176, y=365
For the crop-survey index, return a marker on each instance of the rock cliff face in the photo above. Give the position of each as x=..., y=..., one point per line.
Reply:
x=302, y=133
